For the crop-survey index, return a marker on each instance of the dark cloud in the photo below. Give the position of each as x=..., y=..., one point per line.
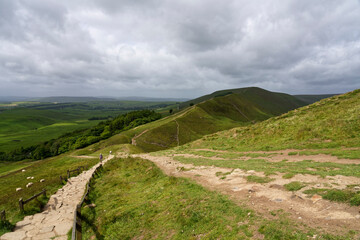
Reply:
x=177, y=48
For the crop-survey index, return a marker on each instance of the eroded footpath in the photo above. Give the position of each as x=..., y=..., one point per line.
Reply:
x=330, y=217
x=57, y=217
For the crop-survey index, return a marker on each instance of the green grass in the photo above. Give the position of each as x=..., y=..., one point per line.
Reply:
x=8, y=167
x=135, y=200
x=294, y=186
x=336, y=195
x=49, y=169
x=258, y=179
x=330, y=123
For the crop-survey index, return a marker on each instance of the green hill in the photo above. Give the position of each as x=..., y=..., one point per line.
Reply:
x=329, y=123
x=246, y=106
x=253, y=93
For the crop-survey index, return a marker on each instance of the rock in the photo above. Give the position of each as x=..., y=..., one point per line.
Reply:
x=315, y=198
x=277, y=186
x=251, y=171
x=14, y=235
x=29, y=184
x=63, y=227
x=46, y=229
x=357, y=216
x=299, y=217
x=18, y=189
x=48, y=235
x=357, y=188
x=278, y=200
x=318, y=185
x=42, y=180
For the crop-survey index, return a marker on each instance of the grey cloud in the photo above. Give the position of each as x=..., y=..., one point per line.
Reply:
x=177, y=48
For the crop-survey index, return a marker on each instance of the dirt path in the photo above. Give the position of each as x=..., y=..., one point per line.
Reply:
x=133, y=140
x=57, y=218
x=266, y=198
x=177, y=133
x=278, y=156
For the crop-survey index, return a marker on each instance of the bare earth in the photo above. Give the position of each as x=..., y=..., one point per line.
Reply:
x=315, y=212
x=57, y=218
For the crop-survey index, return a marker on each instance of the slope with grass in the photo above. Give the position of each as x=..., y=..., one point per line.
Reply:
x=254, y=94
x=242, y=108
x=329, y=123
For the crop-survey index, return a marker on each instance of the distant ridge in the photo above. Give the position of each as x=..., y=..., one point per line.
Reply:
x=311, y=98
x=68, y=99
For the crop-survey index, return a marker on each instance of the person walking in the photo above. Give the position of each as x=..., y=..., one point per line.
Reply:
x=101, y=157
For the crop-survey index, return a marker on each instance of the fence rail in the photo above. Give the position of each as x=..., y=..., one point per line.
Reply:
x=77, y=229
x=3, y=216
x=23, y=202
x=78, y=170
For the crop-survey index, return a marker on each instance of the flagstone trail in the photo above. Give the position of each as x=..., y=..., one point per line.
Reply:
x=57, y=218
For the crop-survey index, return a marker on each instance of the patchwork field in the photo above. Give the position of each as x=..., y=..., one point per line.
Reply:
x=23, y=124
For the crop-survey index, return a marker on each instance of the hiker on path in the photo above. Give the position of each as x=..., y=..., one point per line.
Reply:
x=101, y=157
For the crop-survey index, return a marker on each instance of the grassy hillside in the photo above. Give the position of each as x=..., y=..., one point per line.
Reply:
x=255, y=94
x=216, y=114
x=309, y=99
x=329, y=123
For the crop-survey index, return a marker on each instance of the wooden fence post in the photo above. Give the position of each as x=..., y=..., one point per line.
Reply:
x=21, y=205
x=61, y=179
x=2, y=216
x=44, y=194
x=68, y=174
x=78, y=222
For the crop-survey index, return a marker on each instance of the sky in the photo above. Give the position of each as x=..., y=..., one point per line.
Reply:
x=177, y=48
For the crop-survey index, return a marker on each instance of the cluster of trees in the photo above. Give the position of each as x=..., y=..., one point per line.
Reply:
x=82, y=138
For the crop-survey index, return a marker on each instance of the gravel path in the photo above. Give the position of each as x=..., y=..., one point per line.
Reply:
x=57, y=218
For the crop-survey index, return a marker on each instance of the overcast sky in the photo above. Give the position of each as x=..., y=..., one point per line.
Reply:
x=177, y=48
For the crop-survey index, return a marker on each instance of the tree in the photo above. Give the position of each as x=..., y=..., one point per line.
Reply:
x=171, y=111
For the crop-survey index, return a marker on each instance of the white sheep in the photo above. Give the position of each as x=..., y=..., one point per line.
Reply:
x=18, y=189
x=29, y=184
x=42, y=180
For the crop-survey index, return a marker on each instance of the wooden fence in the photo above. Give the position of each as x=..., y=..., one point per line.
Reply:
x=68, y=173
x=23, y=202
x=77, y=229
x=78, y=170
x=2, y=216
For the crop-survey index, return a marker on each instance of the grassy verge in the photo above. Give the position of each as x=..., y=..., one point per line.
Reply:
x=50, y=170
x=336, y=195
x=135, y=200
